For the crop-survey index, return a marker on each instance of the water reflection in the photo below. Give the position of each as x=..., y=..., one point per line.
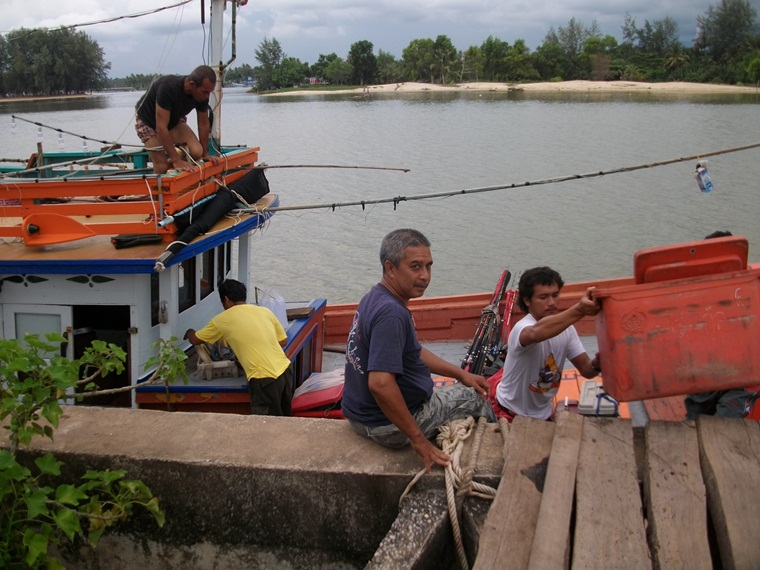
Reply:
x=84, y=103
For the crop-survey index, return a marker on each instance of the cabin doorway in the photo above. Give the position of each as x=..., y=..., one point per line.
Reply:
x=109, y=323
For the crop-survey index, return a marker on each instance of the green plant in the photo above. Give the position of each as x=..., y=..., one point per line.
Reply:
x=37, y=509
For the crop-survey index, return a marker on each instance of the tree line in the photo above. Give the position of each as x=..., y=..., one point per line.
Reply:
x=58, y=62
x=726, y=49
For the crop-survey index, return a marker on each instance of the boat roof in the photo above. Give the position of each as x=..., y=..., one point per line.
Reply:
x=98, y=254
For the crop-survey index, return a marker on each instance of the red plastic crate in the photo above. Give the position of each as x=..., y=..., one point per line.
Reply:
x=680, y=337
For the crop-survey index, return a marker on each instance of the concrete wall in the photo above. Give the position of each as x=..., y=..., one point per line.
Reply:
x=234, y=483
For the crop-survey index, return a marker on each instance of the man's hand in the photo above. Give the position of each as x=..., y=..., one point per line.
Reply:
x=430, y=454
x=588, y=305
x=476, y=381
x=212, y=159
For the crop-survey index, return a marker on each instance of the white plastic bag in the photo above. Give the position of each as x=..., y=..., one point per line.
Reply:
x=273, y=301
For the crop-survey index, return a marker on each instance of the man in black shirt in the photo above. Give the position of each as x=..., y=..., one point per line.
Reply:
x=161, y=120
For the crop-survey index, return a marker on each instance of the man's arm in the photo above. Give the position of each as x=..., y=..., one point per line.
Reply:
x=162, y=128
x=589, y=368
x=439, y=366
x=551, y=326
x=388, y=396
x=204, y=132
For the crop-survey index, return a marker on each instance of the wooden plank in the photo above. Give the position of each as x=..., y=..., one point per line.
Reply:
x=675, y=497
x=555, y=513
x=730, y=459
x=507, y=533
x=609, y=522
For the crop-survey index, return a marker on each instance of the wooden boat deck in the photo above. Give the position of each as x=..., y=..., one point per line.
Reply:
x=598, y=493
x=98, y=251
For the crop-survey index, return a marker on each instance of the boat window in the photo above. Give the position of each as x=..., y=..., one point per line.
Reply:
x=207, y=273
x=154, y=300
x=186, y=284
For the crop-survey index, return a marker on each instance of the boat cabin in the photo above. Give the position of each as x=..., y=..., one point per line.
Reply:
x=60, y=270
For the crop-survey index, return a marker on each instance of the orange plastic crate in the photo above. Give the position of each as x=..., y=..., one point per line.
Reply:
x=691, y=259
x=680, y=337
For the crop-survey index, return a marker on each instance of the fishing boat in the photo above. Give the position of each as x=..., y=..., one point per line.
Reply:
x=97, y=246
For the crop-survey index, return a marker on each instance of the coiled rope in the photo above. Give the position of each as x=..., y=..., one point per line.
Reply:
x=459, y=480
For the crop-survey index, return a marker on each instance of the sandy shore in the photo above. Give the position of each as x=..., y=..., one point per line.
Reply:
x=50, y=98
x=569, y=86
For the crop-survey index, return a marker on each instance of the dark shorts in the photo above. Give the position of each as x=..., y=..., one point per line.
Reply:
x=271, y=396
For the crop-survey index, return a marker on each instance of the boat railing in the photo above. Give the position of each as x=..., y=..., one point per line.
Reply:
x=56, y=207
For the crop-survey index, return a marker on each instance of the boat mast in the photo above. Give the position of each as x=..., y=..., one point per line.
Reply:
x=215, y=61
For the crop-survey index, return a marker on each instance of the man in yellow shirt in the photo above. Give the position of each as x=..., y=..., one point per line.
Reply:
x=256, y=337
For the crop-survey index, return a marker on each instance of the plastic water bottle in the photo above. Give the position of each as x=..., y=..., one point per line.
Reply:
x=703, y=178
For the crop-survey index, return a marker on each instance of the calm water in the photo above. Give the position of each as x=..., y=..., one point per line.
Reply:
x=585, y=229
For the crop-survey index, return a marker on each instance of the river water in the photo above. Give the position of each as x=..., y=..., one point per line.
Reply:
x=586, y=228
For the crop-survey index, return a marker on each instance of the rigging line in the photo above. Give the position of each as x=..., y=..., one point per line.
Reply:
x=115, y=18
x=84, y=137
x=397, y=199
x=170, y=39
x=357, y=167
x=81, y=161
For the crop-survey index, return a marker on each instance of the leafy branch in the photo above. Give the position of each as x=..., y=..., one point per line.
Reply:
x=36, y=509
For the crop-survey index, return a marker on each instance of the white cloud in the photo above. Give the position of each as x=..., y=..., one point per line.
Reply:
x=172, y=41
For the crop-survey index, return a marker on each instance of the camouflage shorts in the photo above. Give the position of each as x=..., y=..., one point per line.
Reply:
x=145, y=132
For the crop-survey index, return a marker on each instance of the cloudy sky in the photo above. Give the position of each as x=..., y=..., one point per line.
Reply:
x=172, y=41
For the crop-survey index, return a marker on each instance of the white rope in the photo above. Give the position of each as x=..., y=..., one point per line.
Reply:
x=459, y=481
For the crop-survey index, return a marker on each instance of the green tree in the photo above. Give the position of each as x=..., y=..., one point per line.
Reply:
x=550, y=60
x=269, y=54
x=241, y=74
x=519, y=63
x=419, y=59
x=571, y=39
x=444, y=57
x=319, y=69
x=363, y=61
x=59, y=62
x=472, y=64
x=290, y=73
x=494, y=53
x=389, y=69
x=726, y=29
x=599, y=53
x=339, y=71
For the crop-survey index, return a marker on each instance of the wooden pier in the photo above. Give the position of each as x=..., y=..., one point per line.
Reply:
x=598, y=493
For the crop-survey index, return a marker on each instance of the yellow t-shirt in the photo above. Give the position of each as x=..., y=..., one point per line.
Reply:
x=254, y=335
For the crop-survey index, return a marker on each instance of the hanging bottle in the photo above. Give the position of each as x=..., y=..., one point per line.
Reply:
x=703, y=178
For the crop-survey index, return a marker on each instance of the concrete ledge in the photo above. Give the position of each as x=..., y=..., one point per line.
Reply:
x=252, y=482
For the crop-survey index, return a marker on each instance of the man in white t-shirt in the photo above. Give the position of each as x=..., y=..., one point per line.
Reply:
x=539, y=344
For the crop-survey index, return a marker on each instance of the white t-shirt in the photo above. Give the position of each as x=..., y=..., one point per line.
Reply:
x=532, y=373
